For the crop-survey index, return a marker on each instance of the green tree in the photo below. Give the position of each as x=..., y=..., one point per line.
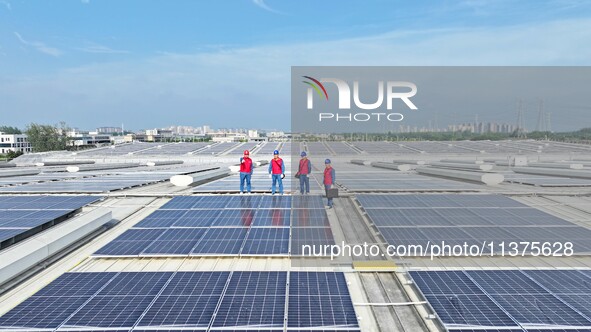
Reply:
x=47, y=137
x=13, y=154
x=10, y=130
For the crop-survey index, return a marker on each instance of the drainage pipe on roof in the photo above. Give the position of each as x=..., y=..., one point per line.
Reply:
x=164, y=163
x=471, y=167
x=397, y=167
x=409, y=161
x=65, y=163
x=462, y=161
x=190, y=179
x=569, y=173
x=11, y=173
x=99, y=167
x=490, y=179
x=553, y=165
x=360, y=162
x=4, y=164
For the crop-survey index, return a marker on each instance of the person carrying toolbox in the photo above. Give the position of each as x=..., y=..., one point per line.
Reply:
x=329, y=180
x=304, y=169
x=246, y=169
x=277, y=172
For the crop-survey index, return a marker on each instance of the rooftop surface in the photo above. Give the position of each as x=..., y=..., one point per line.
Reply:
x=253, y=243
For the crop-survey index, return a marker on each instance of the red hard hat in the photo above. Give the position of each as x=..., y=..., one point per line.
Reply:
x=246, y=152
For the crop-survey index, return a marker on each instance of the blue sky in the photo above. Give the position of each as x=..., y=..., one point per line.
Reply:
x=227, y=63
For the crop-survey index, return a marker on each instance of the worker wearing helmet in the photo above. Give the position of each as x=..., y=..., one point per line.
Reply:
x=329, y=179
x=304, y=170
x=246, y=169
x=277, y=172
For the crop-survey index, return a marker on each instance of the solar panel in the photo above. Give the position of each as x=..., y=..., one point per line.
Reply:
x=243, y=202
x=253, y=298
x=234, y=218
x=254, y=301
x=424, y=217
x=179, y=241
x=196, y=230
x=161, y=218
x=469, y=310
x=272, y=218
x=319, y=299
x=310, y=218
x=304, y=239
x=266, y=241
x=76, y=284
x=197, y=218
x=275, y=202
x=110, y=311
x=445, y=283
x=41, y=312
x=540, y=309
x=307, y=202
x=538, y=297
x=210, y=202
x=181, y=203
x=23, y=216
x=186, y=311
x=223, y=241
x=196, y=283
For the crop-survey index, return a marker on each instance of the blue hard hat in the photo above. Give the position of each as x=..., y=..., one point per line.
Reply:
x=327, y=161
x=276, y=152
x=303, y=154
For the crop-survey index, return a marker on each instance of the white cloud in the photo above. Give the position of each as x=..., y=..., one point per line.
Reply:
x=224, y=84
x=85, y=1
x=39, y=46
x=6, y=4
x=97, y=48
x=263, y=5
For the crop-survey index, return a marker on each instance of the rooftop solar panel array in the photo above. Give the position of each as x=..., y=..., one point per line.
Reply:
x=340, y=148
x=214, y=149
x=383, y=148
x=467, y=219
x=21, y=215
x=358, y=178
x=123, y=149
x=521, y=299
x=226, y=225
x=188, y=300
x=178, y=149
x=318, y=149
x=90, y=185
x=268, y=148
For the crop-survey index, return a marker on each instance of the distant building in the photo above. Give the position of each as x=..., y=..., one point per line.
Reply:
x=92, y=138
x=14, y=142
x=253, y=133
x=109, y=130
x=275, y=134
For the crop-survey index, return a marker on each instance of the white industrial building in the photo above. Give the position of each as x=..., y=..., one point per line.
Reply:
x=14, y=142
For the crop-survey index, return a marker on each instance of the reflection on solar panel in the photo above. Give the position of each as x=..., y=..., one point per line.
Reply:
x=217, y=225
x=22, y=216
x=467, y=219
x=505, y=298
x=188, y=300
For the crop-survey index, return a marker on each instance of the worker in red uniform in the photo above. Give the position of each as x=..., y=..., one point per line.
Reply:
x=246, y=169
x=329, y=179
x=277, y=171
x=304, y=169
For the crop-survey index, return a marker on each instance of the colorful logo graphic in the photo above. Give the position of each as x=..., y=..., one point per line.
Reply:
x=316, y=86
